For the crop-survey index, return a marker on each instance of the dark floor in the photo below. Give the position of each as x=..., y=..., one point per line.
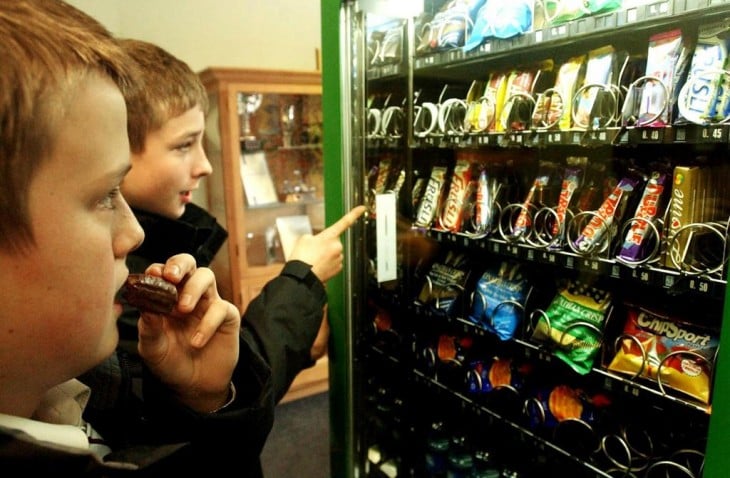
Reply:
x=298, y=446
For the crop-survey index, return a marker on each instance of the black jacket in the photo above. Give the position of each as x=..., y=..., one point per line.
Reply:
x=149, y=431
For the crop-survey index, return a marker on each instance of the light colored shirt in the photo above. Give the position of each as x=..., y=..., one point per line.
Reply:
x=58, y=419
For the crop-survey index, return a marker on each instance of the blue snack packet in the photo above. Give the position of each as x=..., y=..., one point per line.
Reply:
x=498, y=301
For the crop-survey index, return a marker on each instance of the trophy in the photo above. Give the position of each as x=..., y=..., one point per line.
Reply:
x=288, y=124
x=247, y=106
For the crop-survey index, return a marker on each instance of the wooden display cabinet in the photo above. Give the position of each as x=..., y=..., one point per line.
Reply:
x=263, y=138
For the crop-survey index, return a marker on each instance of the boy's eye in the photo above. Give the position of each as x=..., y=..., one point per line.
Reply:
x=185, y=146
x=109, y=201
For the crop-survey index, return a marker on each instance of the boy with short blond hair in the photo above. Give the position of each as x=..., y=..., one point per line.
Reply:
x=65, y=233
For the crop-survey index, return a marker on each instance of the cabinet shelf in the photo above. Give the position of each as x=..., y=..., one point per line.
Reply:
x=287, y=205
x=300, y=147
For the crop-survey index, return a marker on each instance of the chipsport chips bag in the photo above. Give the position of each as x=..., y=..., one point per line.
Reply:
x=686, y=352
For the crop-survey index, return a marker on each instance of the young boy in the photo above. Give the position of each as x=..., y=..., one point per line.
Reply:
x=203, y=402
x=166, y=122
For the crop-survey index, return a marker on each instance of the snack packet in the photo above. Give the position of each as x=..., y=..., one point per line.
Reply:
x=573, y=323
x=649, y=337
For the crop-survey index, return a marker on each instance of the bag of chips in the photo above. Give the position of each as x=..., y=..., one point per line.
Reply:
x=498, y=303
x=573, y=324
x=676, y=353
x=445, y=281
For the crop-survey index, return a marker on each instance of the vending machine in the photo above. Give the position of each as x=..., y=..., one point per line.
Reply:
x=539, y=286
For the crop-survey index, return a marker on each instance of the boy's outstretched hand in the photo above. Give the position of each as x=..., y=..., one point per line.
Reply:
x=323, y=251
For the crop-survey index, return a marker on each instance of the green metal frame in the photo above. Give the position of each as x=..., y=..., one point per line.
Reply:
x=342, y=460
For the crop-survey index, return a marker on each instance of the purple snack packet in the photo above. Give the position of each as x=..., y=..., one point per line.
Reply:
x=650, y=206
x=600, y=224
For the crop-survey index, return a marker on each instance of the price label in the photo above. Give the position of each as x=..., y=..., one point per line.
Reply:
x=650, y=134
x=658, y=9
x=558, y=31
x=555, y=138
x=699, y=286
x=631, y=15
x=598, y=136
x=631, y=389
x=641, y=275
x=548, y=257
x=713, y=134
x=680, y=134
x=455, y=54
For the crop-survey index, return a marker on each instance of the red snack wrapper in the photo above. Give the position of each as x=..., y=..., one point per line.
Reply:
x=431, y=199
x=452, y=213
x=601, y=223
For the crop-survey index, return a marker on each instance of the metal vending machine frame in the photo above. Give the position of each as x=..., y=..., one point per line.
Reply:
x=346, y=105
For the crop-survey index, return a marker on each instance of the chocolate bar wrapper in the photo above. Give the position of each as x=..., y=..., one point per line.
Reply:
x=650, y=207
x=486, y=196
x=609, y=211
x=683, y=210
x=599, y=70
x=495, y=94
x=667, y=60
x=566, y=84
x=452, y=213
x=571, y=182
x=518, y=82
x=431, y=200
x=704, y=97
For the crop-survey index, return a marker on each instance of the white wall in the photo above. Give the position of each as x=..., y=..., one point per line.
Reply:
x=273, y=34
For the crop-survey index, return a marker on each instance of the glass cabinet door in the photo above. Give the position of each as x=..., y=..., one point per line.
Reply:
x=281, y=172
x=263, y=138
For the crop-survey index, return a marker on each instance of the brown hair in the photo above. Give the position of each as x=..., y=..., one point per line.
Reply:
x=48, y=49
x=167, y=88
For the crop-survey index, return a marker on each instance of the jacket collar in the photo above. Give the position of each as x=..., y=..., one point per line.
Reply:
x=196, y=232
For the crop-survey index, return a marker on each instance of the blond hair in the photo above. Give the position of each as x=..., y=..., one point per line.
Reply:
x=48, y=50
x=168, y=87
